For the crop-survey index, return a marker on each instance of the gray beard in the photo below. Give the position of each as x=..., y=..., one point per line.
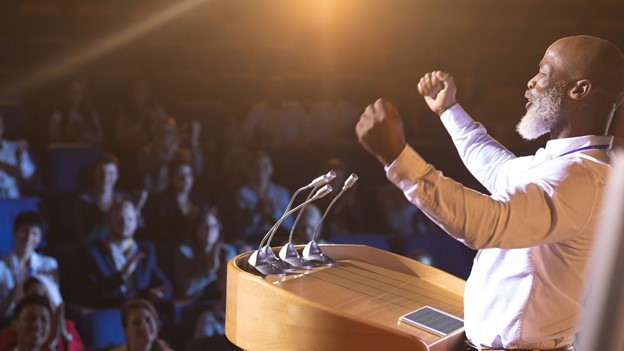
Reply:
x=542, y=115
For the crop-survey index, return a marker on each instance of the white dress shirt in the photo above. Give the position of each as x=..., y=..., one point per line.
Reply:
x=534, y=233
x=9, y=186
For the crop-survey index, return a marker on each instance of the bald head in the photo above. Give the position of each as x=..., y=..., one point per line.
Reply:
x=594, y=59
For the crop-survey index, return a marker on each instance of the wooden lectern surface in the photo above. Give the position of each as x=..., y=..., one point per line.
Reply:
x=354, y=305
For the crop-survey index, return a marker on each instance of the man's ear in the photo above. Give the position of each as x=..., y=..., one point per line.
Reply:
x=580, y=89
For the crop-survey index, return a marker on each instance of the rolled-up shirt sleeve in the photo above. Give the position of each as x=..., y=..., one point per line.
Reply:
x=558, y=201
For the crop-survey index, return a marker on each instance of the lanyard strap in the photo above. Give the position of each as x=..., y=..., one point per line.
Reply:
x=590, y=147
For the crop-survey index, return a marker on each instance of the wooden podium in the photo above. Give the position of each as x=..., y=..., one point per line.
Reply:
x=354, y=305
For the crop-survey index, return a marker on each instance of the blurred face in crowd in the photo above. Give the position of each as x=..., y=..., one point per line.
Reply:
x=141, y=327
x=208, y=230
x=106, y=175
x=27, y=238
x=123, y=221
x=32, y=327
x=182, y=180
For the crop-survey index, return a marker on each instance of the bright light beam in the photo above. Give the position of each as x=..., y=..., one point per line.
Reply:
x=65, y=65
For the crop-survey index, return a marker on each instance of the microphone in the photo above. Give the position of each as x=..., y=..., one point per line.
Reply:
x=312, y=252
x=321, y=180
x=264, y=259
x=288, y=253
x=315, y=184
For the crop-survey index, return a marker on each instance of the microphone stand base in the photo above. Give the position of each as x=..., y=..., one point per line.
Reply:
x=312, y=252
x=272, y=259
x=259, y=261
x=289, y=254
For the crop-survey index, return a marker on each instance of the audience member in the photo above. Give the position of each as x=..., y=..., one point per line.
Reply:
x=169, y=214
x=209, y=333
x=76, y=120
x=140, y=324
x=121, y=268
x=32, y=323
x=211, y=323
x=136, y=119
x=274, y=121
x=260, y=202
x=92, y=208
x=153, y=158
x=24, y=261
x=63, y=334
x=16, y=166
x=195, y=265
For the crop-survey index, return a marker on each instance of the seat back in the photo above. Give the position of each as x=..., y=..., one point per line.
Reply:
x=66, y=167
x=98, y=328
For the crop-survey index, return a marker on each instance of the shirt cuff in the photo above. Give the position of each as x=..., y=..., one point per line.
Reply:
x=455, y=119
x=407, y=169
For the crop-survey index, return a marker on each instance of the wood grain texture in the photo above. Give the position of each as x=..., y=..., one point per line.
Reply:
x=354, y=305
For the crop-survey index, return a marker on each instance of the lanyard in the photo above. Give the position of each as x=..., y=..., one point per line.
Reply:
x=590, y=147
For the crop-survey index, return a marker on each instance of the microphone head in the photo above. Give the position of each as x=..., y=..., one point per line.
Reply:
x=324, y=179
x=323, y=191
x=350, y=181
x=329, y=176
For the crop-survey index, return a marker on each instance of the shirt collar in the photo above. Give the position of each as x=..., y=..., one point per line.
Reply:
x=557, y=147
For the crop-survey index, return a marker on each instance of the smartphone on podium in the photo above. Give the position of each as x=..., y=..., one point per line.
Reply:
x=433, y=320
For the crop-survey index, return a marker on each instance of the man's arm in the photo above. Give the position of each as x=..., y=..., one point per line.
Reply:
x=550, y=207
x=554, y=205
x=481, y=154
x=485, y=158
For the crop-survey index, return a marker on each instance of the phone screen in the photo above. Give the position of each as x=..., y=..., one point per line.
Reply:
x=433, y=320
